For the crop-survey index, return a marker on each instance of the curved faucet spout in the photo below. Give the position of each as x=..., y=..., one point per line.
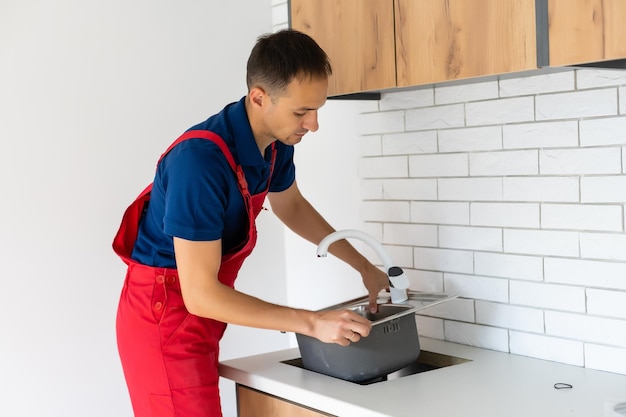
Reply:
x=398, y=282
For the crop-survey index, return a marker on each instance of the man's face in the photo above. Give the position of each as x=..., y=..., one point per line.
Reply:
x=289, y=117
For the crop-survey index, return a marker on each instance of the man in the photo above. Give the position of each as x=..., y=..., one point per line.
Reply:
x=185, y=247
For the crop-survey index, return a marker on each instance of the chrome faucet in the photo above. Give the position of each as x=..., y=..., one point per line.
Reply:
x=398, y=282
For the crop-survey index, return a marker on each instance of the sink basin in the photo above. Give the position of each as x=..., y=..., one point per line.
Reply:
x=385, y=313
x=392, y=344
x=427, y=361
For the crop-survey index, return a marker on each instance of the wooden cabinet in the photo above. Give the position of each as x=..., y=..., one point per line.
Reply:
x=380, y=44
x=357, y=35
x=252, y=403
x=583, y=31
x=444, y=40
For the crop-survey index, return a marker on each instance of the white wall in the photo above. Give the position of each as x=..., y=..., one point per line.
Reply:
x=328, y=176
x=91, y=93
x=512, y=194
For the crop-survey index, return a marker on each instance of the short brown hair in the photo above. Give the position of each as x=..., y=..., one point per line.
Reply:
x=278, y=58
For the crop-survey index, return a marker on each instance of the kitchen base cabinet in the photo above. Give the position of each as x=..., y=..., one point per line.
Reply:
x=252, y=403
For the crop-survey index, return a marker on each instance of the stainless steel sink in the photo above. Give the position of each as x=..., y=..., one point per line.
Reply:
x=417, y=301
x=392, y=344
x=426, y=361
x=385, y=313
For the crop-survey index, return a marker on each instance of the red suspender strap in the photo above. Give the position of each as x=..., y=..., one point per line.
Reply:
x=215, y=138
x=124, y=240
x=205, y=134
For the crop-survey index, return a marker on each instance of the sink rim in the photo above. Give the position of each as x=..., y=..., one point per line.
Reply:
x=428, y=299
x=404, y=310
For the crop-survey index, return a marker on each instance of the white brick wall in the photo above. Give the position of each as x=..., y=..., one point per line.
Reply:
x=582, y=217
x=509, y=266
x=477, y=287
x=475, y=238
x=475, y=335
x=406, y=99
x=504, y=163
x=511, y=194
x=606, y=131
x=606, y=303
x=409, y=189
x=580, y=161
x=601, y=189
x=438, y=165
x=505, y=214
x=586, y=328
x=466, y=92
x=541, y=84
x=610, y=275
x=440, y=212
x=410, y=143
x=384, y=167
x=549, y=348
x=605, y=358
x=509, y=316
x=576, y=104
x=504, y=110
x=435, y=117
x=554, y=189
x=603, y=246
x=470, y=139
x=540, y=135
x=470, y=189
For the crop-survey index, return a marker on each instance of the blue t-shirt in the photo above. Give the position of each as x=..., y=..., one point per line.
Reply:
x=195, y=194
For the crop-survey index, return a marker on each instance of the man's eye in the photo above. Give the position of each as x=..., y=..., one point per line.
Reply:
x=299, y=114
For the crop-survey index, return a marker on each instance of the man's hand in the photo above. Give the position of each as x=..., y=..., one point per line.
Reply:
x=340, y=326
x=375, y=281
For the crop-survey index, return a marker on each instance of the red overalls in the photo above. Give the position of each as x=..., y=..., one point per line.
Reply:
x=170, y=357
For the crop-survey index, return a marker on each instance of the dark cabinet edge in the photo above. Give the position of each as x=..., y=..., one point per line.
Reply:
x=612, y=64
x=542, y=28
x=357, y=96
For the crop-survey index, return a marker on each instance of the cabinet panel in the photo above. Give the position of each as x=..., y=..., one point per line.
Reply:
x=253, y=403
x=357, y=35
x=443, y=40
x=582, y=31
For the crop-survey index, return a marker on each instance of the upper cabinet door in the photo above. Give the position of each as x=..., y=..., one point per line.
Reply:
x=443, y=40
x=583, y=31
x=357, y=35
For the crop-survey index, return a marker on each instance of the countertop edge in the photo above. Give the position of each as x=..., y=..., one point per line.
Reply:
x=492, y=381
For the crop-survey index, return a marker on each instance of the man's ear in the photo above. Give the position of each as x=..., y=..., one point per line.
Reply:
x=258, y=96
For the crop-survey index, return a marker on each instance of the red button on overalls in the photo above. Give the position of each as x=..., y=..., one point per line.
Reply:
x=169, y=356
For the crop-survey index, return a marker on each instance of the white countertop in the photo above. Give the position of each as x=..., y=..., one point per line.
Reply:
x=492, y=384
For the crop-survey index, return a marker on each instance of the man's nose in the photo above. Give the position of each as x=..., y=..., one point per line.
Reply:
x=310, y=121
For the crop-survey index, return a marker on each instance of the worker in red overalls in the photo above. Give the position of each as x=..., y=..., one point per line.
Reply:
x=186, y=236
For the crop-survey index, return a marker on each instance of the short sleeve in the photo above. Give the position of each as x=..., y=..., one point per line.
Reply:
x=196, y=183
